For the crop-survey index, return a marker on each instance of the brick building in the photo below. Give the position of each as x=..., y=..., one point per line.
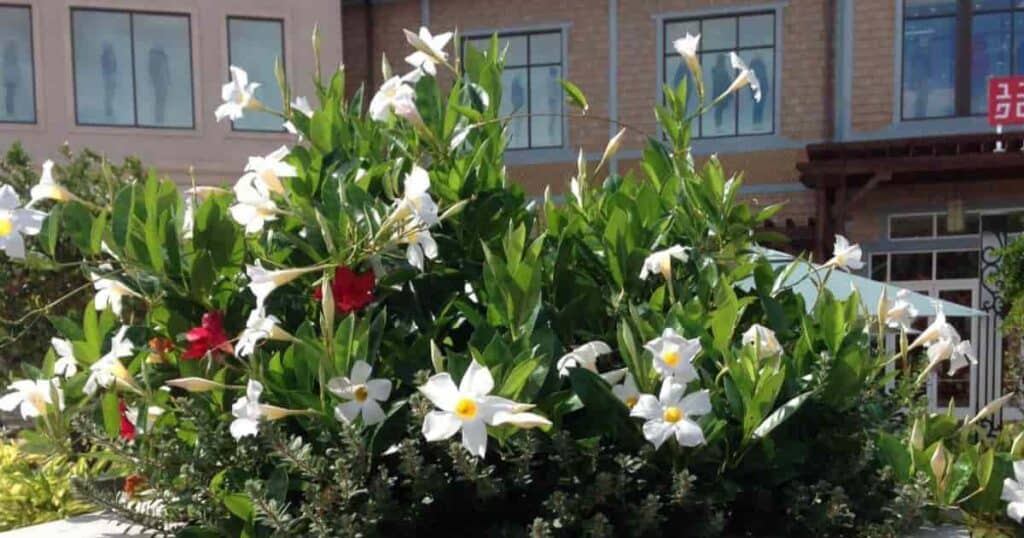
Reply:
x=872, y=122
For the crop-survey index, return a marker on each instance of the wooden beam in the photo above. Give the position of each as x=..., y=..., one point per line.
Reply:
x=882, y=176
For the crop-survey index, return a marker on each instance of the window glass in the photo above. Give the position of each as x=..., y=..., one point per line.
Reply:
x=718, y=73
x=960, y=264
x=757, y=31
x=912, y=266
x=880, y=267
x=104, y=85
x=255, y=45
x=753, y=38
x=546, y=102
x=927, y=8
x=163, y=70
x=980, y=5
x=911, y=226
x=17, y=75
x=929, y=50
x=531, y=97
x=718, y=34
x=972, y=221
x=991, y=35
x=755, y=116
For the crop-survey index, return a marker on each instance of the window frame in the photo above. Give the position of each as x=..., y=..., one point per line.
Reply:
x=963, y=17
x=528, y=66
x=32, y=69
x=284, y=62
x=135, y=98
x=664, y=54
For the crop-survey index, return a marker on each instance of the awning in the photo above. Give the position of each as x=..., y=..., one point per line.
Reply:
x=805, y=276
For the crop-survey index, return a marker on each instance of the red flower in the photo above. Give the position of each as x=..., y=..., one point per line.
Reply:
x=352, y=291
x=209, y=337
x=127, y=428
x=132, y=484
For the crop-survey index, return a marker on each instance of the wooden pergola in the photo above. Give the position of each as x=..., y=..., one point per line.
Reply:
x=843, y=173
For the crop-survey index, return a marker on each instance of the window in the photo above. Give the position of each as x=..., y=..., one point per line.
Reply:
x=17, y=73
x=951, y=48
x=752, y=36
x=530, y=93
x=132, y=68
x=931, y=225
x=255, y=45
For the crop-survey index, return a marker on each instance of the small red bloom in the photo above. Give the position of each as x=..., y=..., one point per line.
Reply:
x=209, y=337
x=352, y=291
x=127, y=428
x=132, y=483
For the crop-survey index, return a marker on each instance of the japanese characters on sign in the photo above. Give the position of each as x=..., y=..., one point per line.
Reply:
x=1006, y=100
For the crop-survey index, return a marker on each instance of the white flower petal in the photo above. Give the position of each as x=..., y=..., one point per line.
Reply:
x=477, y=380
x=474, y=437
x=440, y=425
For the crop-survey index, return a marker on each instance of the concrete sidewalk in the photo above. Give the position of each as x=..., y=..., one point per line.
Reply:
x=98, y=525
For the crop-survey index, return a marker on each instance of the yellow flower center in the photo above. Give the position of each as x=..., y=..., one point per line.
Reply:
x=6, y=226
x=672, y=414
x=671, y=358
x=37, y=400
x=360, y=393
x=631, y=401
x=465, y=409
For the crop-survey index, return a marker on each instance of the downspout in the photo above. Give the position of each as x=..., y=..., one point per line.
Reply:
x=425, y=13
x=613, y=75
x=368, y=25
x=843, y=70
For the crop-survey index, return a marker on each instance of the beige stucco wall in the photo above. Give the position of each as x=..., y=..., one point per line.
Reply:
x=217, y=153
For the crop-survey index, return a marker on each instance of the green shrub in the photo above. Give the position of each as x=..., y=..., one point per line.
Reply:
x=29, y=288
x=393, y=239
x=36, y=489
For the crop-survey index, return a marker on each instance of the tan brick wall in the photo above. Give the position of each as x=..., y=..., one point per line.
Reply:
x=874, y=71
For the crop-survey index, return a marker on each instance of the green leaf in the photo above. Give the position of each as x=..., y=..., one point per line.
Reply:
x=240, y=505
x=111, y=413
x=517, y=378
x=605, y=414
x=780, y=415
x=575, y=95
x=896, y=455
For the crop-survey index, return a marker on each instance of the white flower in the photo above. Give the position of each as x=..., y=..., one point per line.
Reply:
x=746, y=77
x=194, y=384
x=33, y=396
x=109, y=370
x=262, y=282
x=301, y=104
x=152, y=414
x=660, y=262
x=254, y=208
x=416, y=201
x=470, y=408
x=900, y=313
x=393, y=92
x=247, y=411
x=237, y=96
x=362, y=393
x=269, y=170
x=764, y=339
x=48, y=188
x=421, y=245
x=670, y=414
x=259, y=327
x=627, y=392
x=845, y=255
x=429, y=49
x=673, y=355
x=686, y=46
x=110, y=292
x=950, y=347
x=584, y=356
x=934, y=331
x=65, y=365
x=1013, y=492
x=15, y=222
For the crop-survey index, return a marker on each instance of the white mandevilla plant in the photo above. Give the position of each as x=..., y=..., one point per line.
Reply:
x=364, y=395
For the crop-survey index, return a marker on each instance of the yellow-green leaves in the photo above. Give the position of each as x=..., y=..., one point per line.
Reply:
x=574, y=95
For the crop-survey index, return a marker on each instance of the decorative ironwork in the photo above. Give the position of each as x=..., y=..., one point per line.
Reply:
x=989, y=373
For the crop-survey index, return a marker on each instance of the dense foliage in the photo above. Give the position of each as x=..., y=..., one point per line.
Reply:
x=421, y=348
x=42, y=286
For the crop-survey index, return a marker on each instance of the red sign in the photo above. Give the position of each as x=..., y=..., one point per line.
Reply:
x=1006, y=100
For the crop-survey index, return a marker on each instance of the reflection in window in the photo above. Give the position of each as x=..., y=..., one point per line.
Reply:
x=944, y=75
x=255, y=45
x=903, y=227
x=530, y=94
x=132, y=69
x=753, y=38
x=18, y=102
